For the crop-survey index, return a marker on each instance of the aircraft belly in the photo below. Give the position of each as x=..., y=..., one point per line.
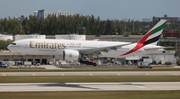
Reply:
x=113, y=54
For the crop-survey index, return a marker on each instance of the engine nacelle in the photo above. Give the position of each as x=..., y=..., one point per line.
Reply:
x=70, y=55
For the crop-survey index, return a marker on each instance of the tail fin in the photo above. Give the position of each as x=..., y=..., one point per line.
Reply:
x=150, y=37
x=153, y=35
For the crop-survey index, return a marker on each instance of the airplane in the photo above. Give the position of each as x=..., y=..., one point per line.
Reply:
x=84, y=51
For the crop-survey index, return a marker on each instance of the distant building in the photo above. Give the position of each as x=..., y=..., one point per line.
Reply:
x=171, y=34
x=169, y=19
x=146, y=20
x=6, y=37
x=19, y=37
x=44, y=14
x=71, y=37
x=35, y=13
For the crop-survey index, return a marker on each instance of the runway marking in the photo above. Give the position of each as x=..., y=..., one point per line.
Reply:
x=62, y=74
x=90, y=74
x=4, y=74
x=175, y=74
x=147, y=74
x=151, y=88
x=33, y=74
x=141, y=87
x=119, y=74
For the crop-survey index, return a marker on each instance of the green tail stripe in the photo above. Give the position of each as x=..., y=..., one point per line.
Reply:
x=159, y=28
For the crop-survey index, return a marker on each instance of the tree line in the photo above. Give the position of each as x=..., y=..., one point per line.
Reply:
x=70, y=24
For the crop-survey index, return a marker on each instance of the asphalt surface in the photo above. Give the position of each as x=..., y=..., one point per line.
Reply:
x=23, y=87
x=108, y=73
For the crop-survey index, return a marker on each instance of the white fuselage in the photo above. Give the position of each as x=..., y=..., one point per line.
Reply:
x=56, y=47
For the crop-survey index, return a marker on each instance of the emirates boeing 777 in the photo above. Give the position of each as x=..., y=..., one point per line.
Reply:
x=77, y=49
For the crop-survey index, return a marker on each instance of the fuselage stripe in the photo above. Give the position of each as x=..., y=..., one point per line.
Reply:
x=140, y=44
x=155, y=39
x=144, y=41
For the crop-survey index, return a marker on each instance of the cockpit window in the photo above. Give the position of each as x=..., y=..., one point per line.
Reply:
x=13, y=43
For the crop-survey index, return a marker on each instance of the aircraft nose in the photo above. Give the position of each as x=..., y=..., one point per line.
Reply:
x=8, y=47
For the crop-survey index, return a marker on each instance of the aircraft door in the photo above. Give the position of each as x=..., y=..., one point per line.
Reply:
x=25, y=45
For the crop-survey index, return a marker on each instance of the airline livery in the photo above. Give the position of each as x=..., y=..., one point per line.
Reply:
x=146, y=45
x=77, y=49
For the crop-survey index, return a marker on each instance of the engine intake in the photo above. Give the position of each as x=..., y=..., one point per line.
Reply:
x=70, y=55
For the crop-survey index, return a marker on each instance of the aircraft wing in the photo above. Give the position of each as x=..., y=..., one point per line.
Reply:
x=101, y=49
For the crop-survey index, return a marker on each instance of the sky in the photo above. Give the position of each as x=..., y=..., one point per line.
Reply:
x=105, y=9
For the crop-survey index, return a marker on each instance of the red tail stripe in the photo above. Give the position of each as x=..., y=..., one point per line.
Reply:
x=145, y=37
x=139, y=44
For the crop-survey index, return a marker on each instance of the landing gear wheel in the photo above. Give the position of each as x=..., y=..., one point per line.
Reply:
x=94, y=64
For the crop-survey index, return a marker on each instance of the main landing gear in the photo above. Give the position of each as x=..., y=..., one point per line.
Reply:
x=88, y=63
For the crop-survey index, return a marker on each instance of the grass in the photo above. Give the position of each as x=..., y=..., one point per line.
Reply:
x=61, y=79
x=92, y=95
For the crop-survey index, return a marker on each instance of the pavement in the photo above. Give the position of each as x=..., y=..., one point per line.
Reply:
x=94, y=73
x=24, y=87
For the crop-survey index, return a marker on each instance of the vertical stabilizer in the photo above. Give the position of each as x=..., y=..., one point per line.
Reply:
x=153, y=35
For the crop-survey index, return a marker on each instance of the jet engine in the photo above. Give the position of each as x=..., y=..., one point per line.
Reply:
x=70, y=55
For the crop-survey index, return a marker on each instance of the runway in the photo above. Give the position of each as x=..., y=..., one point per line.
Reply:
x=101, y=73
x=24, y=87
